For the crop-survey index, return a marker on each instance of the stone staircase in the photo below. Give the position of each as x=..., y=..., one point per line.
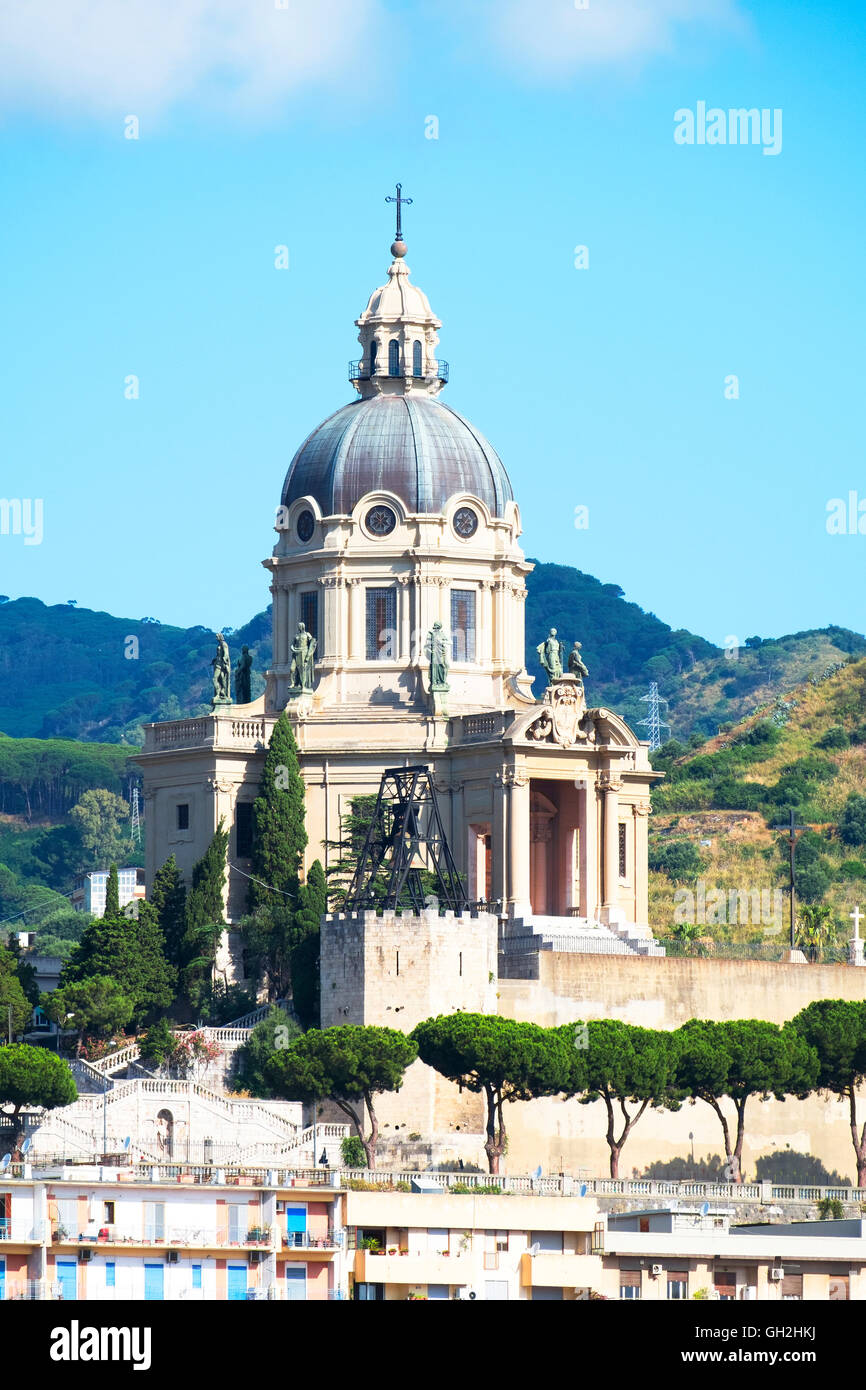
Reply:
x=581, y=935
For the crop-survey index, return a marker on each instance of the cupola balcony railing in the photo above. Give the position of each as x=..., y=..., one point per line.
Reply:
x=438, y=370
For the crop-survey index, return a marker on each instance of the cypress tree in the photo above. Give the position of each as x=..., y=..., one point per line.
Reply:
x=204, y=918
x=168, y=898
x=112, y=894
x=313, y=902
x=279, y=835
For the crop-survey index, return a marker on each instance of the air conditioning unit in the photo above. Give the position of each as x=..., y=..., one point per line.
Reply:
x=172, y=1257
x=467, y=1293
x=85, y=1256
x=656, y=1270
x=281, y=1207
x=256, y=1257
x=777, y=1275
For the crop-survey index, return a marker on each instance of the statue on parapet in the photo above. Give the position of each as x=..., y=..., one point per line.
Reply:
x=303, y=660
x=222, y=673
x=436, y=651
x=550, y=656
x=243, y=677
x=576, y=664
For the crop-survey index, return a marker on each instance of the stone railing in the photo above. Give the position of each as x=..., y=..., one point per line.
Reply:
x=221, y=730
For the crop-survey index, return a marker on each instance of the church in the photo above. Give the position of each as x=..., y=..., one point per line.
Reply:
x=398, y=587
x=398, y=591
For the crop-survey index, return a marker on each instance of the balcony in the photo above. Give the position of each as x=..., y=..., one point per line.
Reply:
x=423, y=1267
x=18, y=1232
x=548, y=1270
x=360, y=371
x=305, y=1240
x=160, y=1238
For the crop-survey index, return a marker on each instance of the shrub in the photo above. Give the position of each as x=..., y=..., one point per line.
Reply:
x=679, y=859
x=852, y=868
x=352, y=1152
x=852, y=826
x=830, y=1209
x=834, y=738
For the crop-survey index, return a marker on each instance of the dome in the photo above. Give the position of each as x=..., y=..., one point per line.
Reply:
x=414, y=446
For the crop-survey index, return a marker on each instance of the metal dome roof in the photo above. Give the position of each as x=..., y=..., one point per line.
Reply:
x=413, y=446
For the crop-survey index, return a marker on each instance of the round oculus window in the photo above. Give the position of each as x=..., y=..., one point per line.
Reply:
x=380, y=521
x=465, y=522
x=306, y=525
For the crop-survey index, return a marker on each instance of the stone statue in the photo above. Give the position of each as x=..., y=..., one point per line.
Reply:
x=436, y=649
x=303, y=654
x=243, y=692
x=575, y=662
x=222, y=673
x=550, y=656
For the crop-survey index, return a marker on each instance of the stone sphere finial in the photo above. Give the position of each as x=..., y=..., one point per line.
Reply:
x=399, y=249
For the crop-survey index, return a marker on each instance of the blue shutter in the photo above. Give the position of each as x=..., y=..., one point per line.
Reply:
x=237, y=1282
x=110, y=1274
x=296, y=1218
x=2, y=1280
x=154, y=1283
x=296, y=1283
x=196, y=1276
x=67, y=1278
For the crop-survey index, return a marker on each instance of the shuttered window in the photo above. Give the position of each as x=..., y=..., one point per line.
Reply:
x=629, y=1283
x=462, y=624
x=792, y=1287
x=381, y=624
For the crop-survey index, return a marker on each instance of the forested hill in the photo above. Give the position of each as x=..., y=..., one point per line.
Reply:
x=69, y=672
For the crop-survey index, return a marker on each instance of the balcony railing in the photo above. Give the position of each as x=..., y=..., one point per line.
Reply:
x=437, y=371
x=257, y=1238
x=303, y=1240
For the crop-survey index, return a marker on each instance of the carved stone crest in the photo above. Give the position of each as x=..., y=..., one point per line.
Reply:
x=564, y=719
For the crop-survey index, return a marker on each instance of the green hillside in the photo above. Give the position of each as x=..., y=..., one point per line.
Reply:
x=72, y=673
x=715, y=815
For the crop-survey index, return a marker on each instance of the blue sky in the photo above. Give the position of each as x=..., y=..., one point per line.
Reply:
x=602, y=387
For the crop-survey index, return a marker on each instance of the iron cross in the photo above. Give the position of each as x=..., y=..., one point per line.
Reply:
x=399, y=200
x=792, y=833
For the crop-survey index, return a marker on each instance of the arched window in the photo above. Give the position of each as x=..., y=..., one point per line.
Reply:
x=373, y=348
x=393, y=358
x=416, y=359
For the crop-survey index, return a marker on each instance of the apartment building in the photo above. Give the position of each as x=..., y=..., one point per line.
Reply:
x=145, y=1235
x=187, y=1233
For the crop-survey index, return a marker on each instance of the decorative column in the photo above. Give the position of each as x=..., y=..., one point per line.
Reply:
x=519, y=902
x=484, y=637
x=610, y=853
x=356, y=619
x=404, y=627
x=641, y=877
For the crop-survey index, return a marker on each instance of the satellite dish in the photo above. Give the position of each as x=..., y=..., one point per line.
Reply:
x=535, y=1248
x=583, y=1189
x=25, y=1147
x=705, y=1207
x=4, y=1162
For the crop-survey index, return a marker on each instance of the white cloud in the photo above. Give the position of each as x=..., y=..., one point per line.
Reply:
x=554, y=37
x=144, y=56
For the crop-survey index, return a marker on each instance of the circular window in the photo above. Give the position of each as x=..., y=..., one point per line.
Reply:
x=465, y=522
x=381, y=521
x=306, y=526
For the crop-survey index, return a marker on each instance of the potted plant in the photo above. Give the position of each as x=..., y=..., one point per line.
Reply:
x=60, y=1233
x=392, y=1250
x=370, y=1243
